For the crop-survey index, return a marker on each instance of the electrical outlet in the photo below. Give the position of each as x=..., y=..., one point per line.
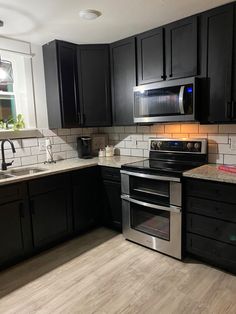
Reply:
x=42, y=146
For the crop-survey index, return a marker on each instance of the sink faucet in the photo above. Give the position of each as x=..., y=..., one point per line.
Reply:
x=4, y=163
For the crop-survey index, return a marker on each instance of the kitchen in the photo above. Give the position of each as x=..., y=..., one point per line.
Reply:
x=118, y=157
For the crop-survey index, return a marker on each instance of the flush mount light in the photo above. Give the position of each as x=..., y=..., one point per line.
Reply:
x=89, y=14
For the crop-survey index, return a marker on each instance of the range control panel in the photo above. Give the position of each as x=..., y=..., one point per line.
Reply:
x=179, y=145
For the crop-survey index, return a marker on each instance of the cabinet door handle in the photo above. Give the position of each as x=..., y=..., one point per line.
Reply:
x=32, y=207
x=232, y=109
x=170, y=75
x=22, y=211
x=228, y=109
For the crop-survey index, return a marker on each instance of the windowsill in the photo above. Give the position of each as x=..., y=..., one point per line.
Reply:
x=24, y=133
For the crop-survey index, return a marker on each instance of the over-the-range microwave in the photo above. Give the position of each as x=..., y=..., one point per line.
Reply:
x=166, y=101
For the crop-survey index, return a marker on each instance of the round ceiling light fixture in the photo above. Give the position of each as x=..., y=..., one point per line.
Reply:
x=89, y=14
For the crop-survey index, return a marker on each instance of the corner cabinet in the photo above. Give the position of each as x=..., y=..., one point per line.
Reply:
x=60, y=67
x=123, y=79
x=94, y=85
x=220, y=57
x=77, y=84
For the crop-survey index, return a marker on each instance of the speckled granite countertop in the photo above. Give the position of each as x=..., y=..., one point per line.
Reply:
x=69, y=165
x=211, y=172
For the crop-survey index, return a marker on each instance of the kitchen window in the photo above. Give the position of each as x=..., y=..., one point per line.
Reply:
x=16, y=90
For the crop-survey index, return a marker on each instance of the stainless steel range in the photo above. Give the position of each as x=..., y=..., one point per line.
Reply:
x=152, y=193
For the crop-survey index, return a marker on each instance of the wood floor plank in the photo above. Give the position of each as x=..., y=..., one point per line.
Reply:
x=100, y=272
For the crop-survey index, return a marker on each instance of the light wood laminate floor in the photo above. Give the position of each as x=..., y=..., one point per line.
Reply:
x=101, y=272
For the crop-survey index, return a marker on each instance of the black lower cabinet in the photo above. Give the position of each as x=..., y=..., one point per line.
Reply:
x=112, y=207
x=210, y=217
x=50, y=210
x=86, y=198
x=15, y=228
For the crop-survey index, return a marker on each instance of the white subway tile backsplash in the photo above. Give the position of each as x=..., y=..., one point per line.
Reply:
x=29, y=160
x=230, y=159
x=208, y=129
x=28, y=142
x=63, y=132
x=59, y=140
x=130, y=129
x=218, y=139
x=143, y=129
x=137, y=152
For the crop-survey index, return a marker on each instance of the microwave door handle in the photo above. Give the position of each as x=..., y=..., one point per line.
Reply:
x=181, y=99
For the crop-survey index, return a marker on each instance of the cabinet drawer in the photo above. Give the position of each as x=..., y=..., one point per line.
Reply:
x=211, y=190
x=11, y=193
x=211, y=208
x=213, y=228
x=46, y=184
x=109, y=173
x=217, y=253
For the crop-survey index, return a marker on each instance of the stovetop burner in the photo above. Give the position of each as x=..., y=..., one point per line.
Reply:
x=171, y=157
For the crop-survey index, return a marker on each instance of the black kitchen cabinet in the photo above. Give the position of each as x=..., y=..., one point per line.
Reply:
x=150, y=56
x=86, y=198
x=60, y=66
x=211, y=222
x=123, y=79
x=218, y=44
x=182, y=48
x=15, y=228
x=50, y=210
x=94, y=85
x=112, y=205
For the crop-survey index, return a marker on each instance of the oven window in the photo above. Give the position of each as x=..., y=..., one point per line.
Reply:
x=152, y=191
x=150, y=221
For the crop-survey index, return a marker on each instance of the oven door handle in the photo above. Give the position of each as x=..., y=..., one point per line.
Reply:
x=150, y=176
x=172, y=208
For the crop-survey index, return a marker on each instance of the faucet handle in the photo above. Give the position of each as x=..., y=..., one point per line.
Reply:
x=9, y=163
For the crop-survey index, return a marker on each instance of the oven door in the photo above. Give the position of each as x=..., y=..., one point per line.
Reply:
x=157, y=227
x=165, y=101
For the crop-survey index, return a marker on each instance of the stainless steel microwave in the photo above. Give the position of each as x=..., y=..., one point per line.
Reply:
x=165, y=101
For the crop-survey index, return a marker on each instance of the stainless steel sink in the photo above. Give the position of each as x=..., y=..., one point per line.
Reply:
x=4, y=176
x=24, y=171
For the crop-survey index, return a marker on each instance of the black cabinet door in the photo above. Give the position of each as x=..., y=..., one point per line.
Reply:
x=86, y=202
x=49, y=217
x=94, y=82
x=218, y=30
x=112, y=204
x=123, y=79
x=182, y=48
x=60, y=67
x=11, y=231
x=150, y=54
x=50, y=210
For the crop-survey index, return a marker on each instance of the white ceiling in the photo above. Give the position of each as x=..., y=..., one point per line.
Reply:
x=40, y=21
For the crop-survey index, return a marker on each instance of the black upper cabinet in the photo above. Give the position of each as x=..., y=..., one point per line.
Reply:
x=123, y=79
x=182, y=48
x=94, y=85
x=218, y=51
x=150, y=55
x=50, y=210
x=60, y=67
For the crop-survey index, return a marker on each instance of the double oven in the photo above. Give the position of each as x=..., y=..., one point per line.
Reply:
x=152, y=209
x=152, y=193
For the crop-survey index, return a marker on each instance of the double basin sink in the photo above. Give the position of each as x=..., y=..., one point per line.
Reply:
x=19, y=172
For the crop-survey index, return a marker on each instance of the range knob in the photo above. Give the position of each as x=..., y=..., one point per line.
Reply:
x=153, y=145
x=159, y=144
x=197, y=146
x=189, y=145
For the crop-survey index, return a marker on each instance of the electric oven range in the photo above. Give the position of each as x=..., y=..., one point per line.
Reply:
x=152, y=193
